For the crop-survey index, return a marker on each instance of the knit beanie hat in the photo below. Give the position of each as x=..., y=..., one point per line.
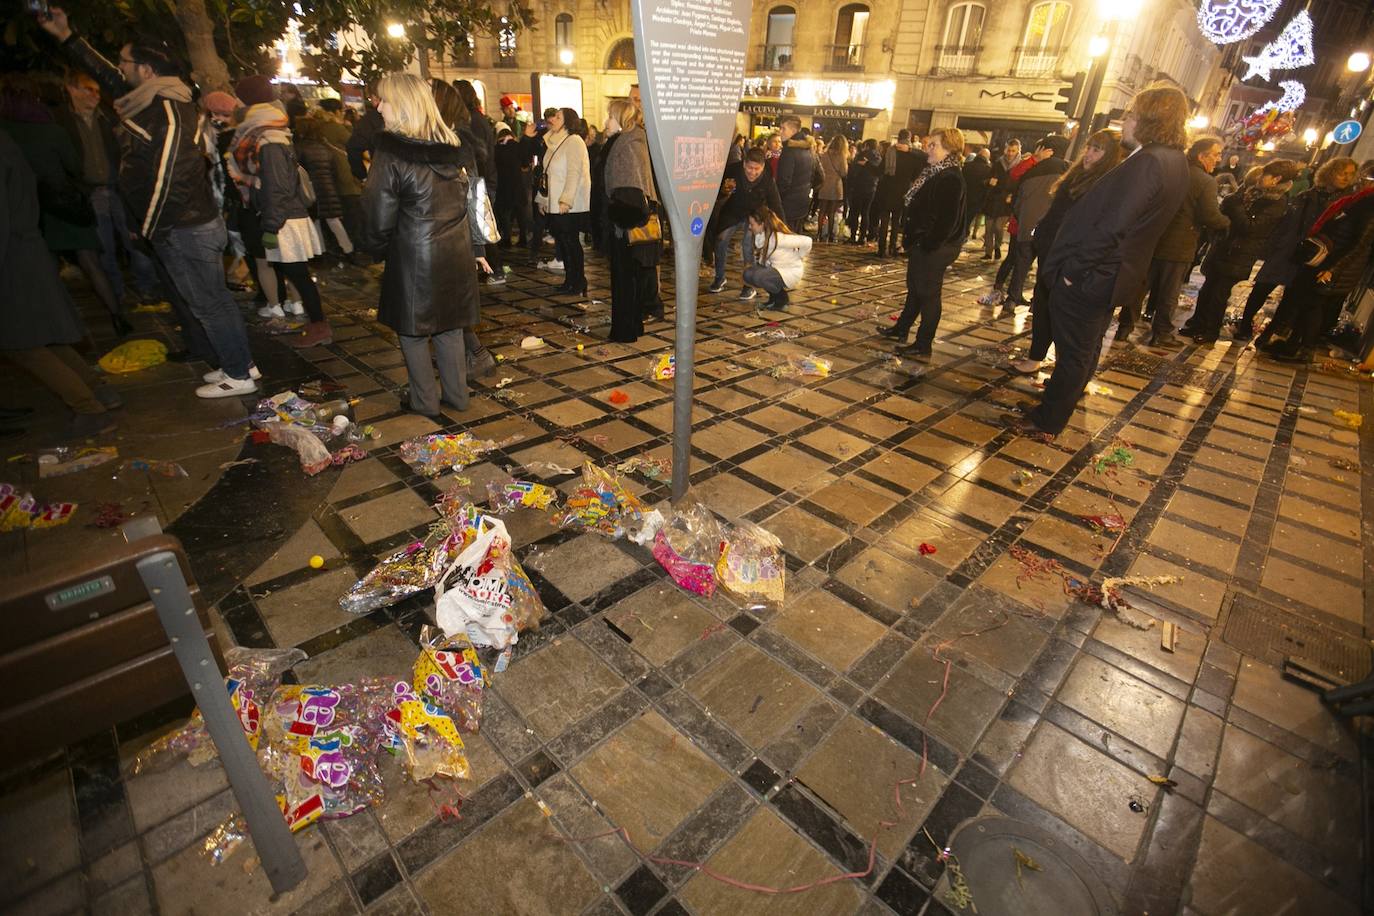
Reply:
x=255, y=90
x=220, y=103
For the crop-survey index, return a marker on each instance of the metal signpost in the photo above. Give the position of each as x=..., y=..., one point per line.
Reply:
x=690, y=55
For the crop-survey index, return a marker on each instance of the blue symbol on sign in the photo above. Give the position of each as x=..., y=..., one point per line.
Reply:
x=1347, y=132
x=698, y=226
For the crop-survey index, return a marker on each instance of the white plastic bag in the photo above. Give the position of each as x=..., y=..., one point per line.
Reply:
x=484, y=593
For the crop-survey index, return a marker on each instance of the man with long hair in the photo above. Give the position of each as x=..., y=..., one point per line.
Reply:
x=1101, y=257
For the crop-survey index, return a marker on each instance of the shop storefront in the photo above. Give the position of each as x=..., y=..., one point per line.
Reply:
x=855, y=109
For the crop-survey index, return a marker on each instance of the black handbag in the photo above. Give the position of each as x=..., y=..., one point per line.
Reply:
x=68, y=203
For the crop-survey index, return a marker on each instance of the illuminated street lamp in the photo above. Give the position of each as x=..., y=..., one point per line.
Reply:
x=396, y=30
x=1358, y=62
x=1098, y=46
x=1309, y=136
x=1199, y=122
x=565, y=56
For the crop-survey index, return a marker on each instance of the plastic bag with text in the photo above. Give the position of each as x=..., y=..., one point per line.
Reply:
x=751, y=568
x=485, y=593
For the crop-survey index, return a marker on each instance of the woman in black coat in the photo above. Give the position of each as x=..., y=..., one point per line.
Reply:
x=932, y=233
x=415, y=208
x=629, y=182
x=1254, y=214
x=1333, y=180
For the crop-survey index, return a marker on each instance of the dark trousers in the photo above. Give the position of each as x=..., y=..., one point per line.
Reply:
x=1041, y=334
x=627, y=311
x=887, y=218
x=1008, y=264
x=992, y=234
x=512, y=211
x=299, y=275
x=453, y=370
x=1078, y=321
x=567, y=229
x=1020, y=268
x=1313, y=306
x=1164, y=282
x=925, y=278
x=1212, y=301
x=859, y=219
x=1259, y=294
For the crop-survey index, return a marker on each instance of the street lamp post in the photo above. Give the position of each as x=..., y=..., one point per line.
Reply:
x=565, y=57
x=1097, y=50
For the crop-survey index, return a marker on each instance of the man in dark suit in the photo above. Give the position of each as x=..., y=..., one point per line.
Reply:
x=1102, y=253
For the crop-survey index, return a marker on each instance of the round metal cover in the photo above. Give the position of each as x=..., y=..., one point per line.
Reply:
x=986, y=850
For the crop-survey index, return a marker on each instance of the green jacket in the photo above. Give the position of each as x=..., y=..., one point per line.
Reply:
x=335, y=134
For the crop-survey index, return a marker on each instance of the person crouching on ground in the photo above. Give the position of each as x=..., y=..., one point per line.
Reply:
x=779, y=255
x=415, y=207
x=932, y=232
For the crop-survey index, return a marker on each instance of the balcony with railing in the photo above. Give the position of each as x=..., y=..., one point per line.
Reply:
x=506, y=61
x=956, y=60
x=1036, y=61
x=845, y=57
x=776, y=57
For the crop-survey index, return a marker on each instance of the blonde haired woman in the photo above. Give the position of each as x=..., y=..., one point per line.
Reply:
x=415, y=207
x=630, y=202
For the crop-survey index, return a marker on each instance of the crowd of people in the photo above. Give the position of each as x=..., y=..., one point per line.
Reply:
x=204, y=195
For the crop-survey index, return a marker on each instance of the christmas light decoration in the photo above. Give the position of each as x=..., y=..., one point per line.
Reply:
x=1291, y=50
x=1294, y=94
x=1225, y=22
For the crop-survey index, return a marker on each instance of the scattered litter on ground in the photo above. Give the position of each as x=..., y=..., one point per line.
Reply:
x=504, y=382
x=654, y=469
x=418, y=565
x=168, y=469
x=319, y=388
x=664, y=367
x=1344, y=464
x=1351, y=420
x=1137, y=804
x=774, y=333
x=810, y=366
x=926, y=549
x=152, y=308
x=109, y=515
x=1022, y=477
x=484, y=593
x=619, y=397
x=519, y=494
x=1109, y=522
x=241, y=462
x=601, y=503
x=1116, y=457
x=1164, y=782
x=317, y=562
x=134, y=356
x=434, y=454
x=547, y=467
x=1095, y=388
x=63, y=460
x=958, y=895
x=751, y=567
x=19, y=509
x=532, y=343
x=1023, y=862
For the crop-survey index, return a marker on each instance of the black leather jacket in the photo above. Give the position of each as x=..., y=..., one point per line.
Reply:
x=164, y=175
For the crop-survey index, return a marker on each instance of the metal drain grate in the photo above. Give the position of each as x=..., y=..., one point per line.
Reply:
x=1165, y=369
x=1270, y=633
x=1059, y=884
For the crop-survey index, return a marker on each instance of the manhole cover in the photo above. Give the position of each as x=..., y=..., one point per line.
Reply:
x=1064, y=885
x=1165, y=369
x=1270, y=633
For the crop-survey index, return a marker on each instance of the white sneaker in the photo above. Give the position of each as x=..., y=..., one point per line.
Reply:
x=227, y=388
x=555, y=266
x=294, y=308
x=271, y=311
x=217, y=375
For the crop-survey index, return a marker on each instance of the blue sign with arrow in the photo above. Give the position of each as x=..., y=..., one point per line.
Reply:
x=1347, y=131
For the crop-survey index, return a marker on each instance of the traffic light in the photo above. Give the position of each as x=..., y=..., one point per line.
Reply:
x=1071, y=94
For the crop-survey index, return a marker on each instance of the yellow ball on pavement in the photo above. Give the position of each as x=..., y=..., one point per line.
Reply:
x=317, y=562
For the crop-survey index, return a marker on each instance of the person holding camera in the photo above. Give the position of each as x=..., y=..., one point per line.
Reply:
x=164, y=184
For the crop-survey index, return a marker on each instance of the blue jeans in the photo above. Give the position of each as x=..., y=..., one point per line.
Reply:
x=194, y=258
x=723, y=240
x=112, y=225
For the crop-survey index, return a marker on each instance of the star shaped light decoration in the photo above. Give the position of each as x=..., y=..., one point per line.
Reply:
x=1291, y=50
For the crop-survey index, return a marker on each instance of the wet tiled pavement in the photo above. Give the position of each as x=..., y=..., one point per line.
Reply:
x=896, y=694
